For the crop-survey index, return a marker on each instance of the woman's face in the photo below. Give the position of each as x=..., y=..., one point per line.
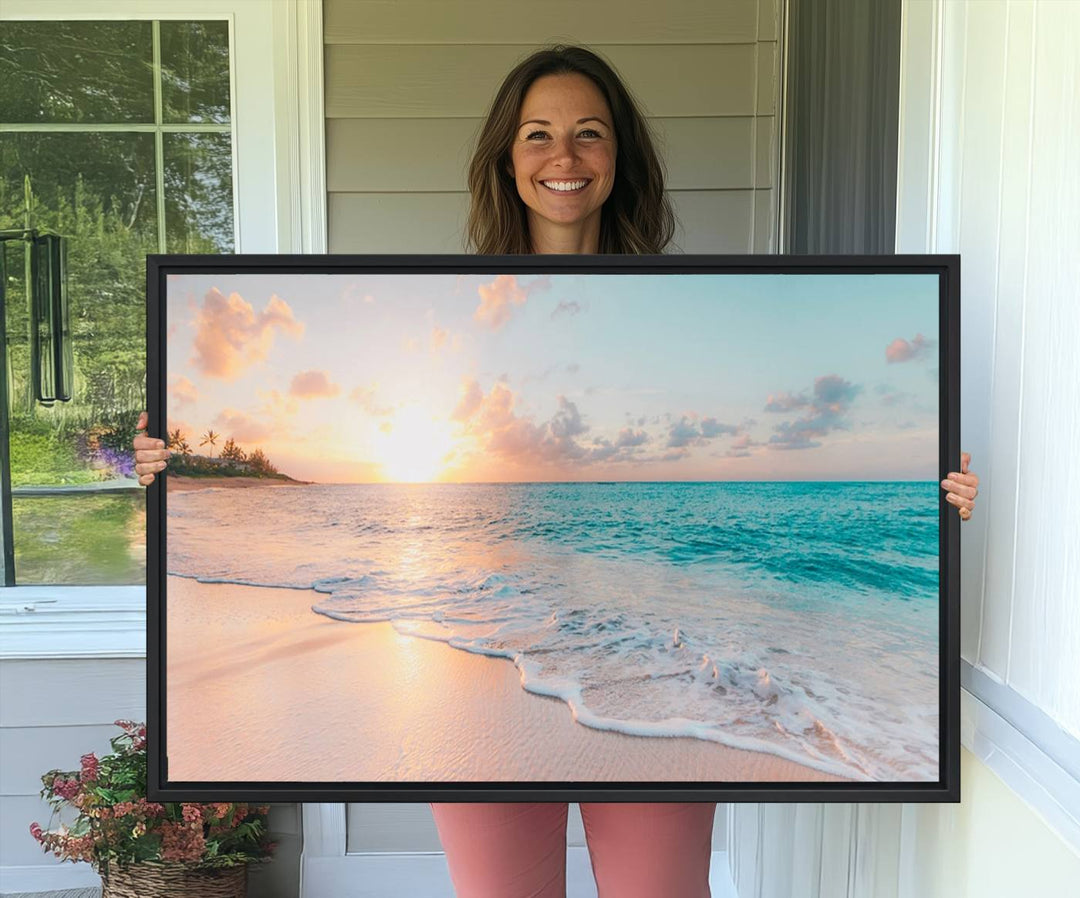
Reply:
x=563, y=154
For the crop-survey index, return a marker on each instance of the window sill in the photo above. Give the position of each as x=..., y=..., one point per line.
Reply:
x=73, y=622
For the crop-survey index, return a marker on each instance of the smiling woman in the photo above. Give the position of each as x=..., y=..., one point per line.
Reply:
x=413, y=446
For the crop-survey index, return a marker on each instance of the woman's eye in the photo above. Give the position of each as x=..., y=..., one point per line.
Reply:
x=588, y=132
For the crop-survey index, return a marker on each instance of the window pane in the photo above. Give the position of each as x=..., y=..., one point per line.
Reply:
x=81, y=540
x=76, y=72
x=195, y=71
x=98, y=191
x=198, y=193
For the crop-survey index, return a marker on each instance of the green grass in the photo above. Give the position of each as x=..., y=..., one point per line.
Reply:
x=80, y=540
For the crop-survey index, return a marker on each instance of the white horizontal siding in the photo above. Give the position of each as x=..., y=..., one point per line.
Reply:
x=441, y=81
x=397, y=153
x=717, y=221
x=520, y=22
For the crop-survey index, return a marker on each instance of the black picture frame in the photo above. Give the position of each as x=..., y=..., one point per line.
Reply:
x=947, y=787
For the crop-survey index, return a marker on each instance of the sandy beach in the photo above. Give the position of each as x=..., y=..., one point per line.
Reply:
x=261, y=688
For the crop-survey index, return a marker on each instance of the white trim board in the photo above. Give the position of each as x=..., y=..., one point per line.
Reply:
x=72, y=622
x=1046, y=787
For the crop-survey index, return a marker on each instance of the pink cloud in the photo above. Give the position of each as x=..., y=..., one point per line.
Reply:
x=365, y=398
x=630, y=437
x=313, y=385
x=785, y=402
x=438, y=338
x=740, y=446
x=276, y=406
x=187, y=431
x=182, y=391
x=833, y=397
x=496, y=300
x=688, y=431
x=472, y=396
x=512, y=441
x=900, y=350
x=241, y=427
x=231, y=336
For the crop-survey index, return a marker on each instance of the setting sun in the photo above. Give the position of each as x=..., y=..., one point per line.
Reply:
x=413, y=447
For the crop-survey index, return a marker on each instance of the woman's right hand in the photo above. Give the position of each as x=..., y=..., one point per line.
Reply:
x=150, y=454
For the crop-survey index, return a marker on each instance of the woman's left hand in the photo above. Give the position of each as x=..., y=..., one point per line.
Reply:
x=962, y=488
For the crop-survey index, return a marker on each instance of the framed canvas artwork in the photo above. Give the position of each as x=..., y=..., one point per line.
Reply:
x=460, y=528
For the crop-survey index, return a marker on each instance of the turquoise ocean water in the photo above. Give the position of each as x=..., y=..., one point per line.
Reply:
x=799, y=619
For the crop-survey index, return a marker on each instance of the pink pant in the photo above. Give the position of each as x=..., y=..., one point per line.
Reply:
x=651, y=850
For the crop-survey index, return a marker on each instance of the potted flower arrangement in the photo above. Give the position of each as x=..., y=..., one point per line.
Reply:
x=141, y=847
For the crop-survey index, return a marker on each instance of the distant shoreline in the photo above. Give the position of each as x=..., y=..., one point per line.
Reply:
x=185, y=483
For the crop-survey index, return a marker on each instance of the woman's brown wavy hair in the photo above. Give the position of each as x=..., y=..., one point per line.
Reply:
x=636, y=218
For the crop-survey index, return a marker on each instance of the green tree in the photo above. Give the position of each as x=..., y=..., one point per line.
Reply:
x=232, y=452
x=260, y=463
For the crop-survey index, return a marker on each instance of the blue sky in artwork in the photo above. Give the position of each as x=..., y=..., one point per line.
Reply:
x=562, y=377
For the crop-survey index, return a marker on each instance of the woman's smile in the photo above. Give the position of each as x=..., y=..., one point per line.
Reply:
x=573, y=186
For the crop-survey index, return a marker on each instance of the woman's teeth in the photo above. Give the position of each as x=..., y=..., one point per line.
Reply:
x=564, y=186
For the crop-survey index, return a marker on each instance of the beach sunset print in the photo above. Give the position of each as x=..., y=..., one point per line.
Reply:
x=557, y=527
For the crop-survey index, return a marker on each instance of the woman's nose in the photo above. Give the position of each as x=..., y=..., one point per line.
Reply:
x=564, y=149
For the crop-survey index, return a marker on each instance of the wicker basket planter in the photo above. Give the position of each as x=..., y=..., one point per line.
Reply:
x=171, y=880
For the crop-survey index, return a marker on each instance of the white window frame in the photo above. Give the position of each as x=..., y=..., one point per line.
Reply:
x=279, y=190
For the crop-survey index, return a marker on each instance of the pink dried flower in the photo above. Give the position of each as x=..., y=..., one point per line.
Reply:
x=135, y=829
x=150, y=808
x=65, y=788
x=181, y=842
x=89, y=768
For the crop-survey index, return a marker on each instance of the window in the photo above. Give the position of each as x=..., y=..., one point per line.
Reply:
x=118, y=136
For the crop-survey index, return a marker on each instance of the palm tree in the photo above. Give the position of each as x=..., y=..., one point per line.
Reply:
x=211, y=438
x=177, y=440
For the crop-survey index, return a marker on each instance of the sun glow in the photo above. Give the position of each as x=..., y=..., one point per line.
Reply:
x=414, y=445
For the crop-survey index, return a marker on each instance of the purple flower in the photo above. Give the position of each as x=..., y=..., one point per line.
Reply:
x=119, y=462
